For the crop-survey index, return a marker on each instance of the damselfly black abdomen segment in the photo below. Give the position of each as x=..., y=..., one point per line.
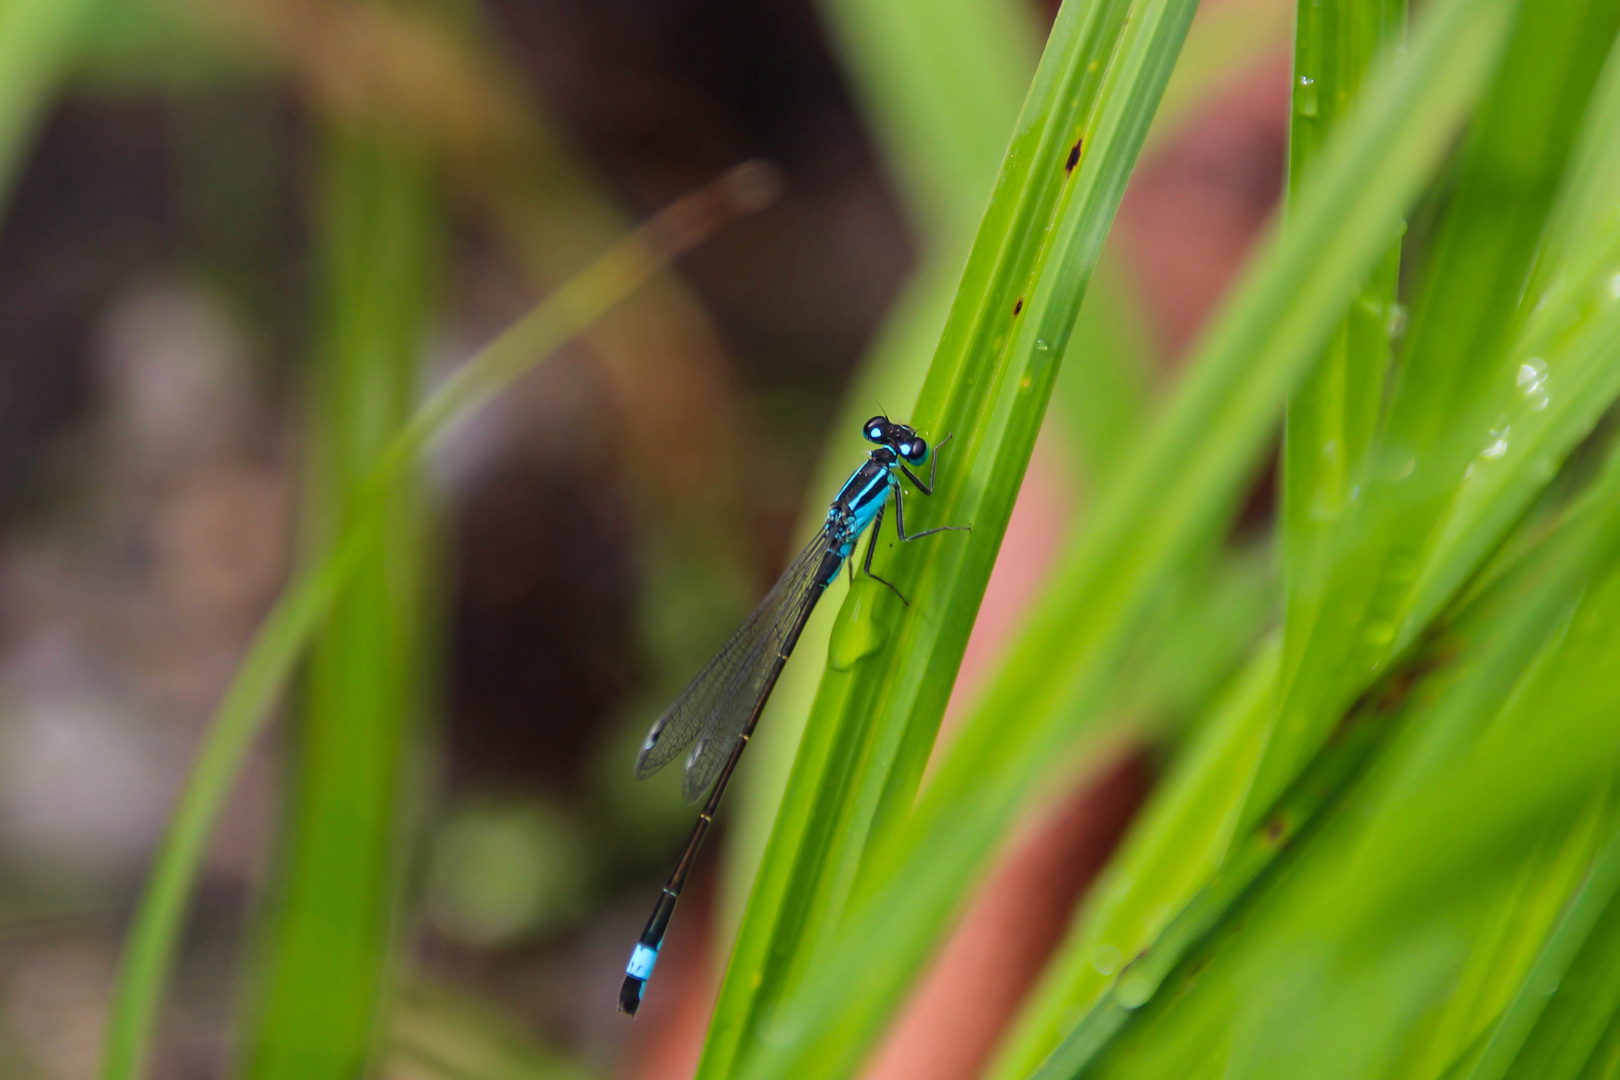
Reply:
x=716, y=713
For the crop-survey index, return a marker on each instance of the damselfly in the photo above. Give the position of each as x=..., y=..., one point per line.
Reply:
x=716, y=713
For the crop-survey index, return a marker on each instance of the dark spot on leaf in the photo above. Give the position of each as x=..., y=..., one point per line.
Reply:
x=1274, y=830
x=1074, y=156
x=1018, y=306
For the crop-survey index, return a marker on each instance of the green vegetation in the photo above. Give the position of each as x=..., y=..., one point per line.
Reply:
x=1385, y=839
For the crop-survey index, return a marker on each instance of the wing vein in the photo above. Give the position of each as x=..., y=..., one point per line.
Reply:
x=712, y=711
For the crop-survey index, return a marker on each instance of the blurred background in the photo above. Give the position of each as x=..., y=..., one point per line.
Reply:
x=210, y=205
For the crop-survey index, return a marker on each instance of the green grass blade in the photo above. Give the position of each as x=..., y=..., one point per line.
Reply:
x=943, y=138
x=1170, y=500
x=880, y=702
x=1509, y=1049
x=1560, y=375
x=1282, y=981
x=1182, y=837
x=150, y=945
x=1507, y=626
x=1103, y=393
x=330, y=922
x=1331, y=419
x=1585, y=992
x=1452, y=377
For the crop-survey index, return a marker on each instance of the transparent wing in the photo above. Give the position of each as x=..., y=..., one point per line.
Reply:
x=715, y=706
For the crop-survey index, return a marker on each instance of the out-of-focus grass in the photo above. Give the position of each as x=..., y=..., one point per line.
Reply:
x=439, y=1034
x=40, y=41
x=281, y=641
x=330, y=921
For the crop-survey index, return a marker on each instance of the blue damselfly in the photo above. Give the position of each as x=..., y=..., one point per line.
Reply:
x=716, y=713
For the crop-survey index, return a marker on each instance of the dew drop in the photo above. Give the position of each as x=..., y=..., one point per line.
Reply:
x=855, y=635
x=1134, y=988
x=1041, y=345
x=1497, y=447
x=1614, y=286
x=1305, y=100
x=1532, y=380
x=1105, y=958
x=1395, y=321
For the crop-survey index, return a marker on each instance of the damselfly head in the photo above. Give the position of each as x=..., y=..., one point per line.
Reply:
x=901, y=438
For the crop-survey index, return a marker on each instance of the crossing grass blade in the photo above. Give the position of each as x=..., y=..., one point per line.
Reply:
x=1182, y=837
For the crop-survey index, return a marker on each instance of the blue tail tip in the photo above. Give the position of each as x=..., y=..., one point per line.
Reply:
x=630, y=995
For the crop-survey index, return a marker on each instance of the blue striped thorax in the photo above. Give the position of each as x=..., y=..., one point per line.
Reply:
x=861, y=497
